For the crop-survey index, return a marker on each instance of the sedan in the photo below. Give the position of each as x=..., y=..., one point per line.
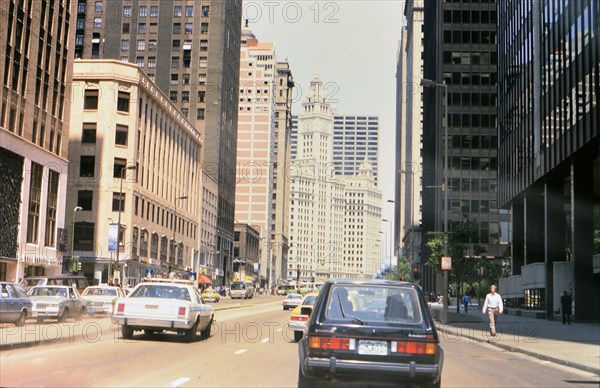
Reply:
x=57, y=302
x=301, y=314
x=370, y=332
x=101, y=299
x=210, y=295
x=15, y=305
x=292, y=300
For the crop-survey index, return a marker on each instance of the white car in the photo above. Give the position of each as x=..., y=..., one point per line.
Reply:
x=164, y=305
x=100, y=299
x=292, y=300
x=57, y=302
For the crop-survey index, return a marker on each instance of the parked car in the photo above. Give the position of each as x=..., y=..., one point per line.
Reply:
x=291, y=301
x=80, y=281
x=239, y=290
x=300, y=315
x=15, y=305
x=57, y=302
x=211, y=295
x=164, y=305
x=374, y=332
x=249, y=289
x=101, y=299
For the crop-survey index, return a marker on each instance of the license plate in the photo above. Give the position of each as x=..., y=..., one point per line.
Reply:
x=376, y=348
x=151, y=307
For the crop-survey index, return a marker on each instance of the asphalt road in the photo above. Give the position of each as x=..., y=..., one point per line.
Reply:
x=249, y=347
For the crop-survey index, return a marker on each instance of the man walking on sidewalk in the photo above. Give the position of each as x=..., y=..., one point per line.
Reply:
x=493, y=305
x=565, y=302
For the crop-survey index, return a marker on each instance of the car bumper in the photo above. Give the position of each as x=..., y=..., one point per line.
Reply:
x=100, y=309
x=297, y=326
x=45, y=314
x=140, y=322
x=209, y=299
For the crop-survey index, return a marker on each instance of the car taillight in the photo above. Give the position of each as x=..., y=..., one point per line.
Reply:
x=301, y=318
x=331, y=343
x=121, y=307
x=181, y=311
x=413, y=347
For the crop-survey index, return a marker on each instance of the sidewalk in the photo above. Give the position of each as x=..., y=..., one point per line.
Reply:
x=576, y=345
x=51, y=332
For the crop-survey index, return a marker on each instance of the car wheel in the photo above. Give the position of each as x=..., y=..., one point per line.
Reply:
x=63, y=317
x=205, y=334
x=285, y=308
x=126, y=332
x=22, y=318
x=190, y=334
x=305, y=382
x=79, y=314
x=298, y=335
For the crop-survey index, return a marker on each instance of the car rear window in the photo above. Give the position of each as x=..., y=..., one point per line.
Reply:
x=373, y=303
x=49, y=291
x=100, y=292
x=160, y=291
x=238, y=286
x=309, y=300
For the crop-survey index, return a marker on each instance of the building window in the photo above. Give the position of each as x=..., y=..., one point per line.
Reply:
x=174, y=79
x=141, y=45
x=185, y=96
x=90, y=100
x=204, y=28
x=154, y=246
x=123, y=102
x=205, y=10
x=121, y=135
x=124, y=44
x=200, y=114
x=118, y=202
x=177, y=11
x=204, y=45
x=119, y=167
x=176, y=28
x=176, y=45
x=85, y=199
x=151, y=61
x=49, y=238
x=88, y=133
x=83, y=238
x=35, y=192
x=154, y=11
x=189, y=11
x=126, y=28
x=98, y=6
x=201, y=96
x=201, y=79
x=97, y=22
x=127, y=11
x=186, y=79
x=143, y=11
x=188, y=28
x=79, y=40
x=173, y=95
x=203, y=62
x=124, y=58
x=141, y=28
x=139, y=61
x=175, y=62
x=87, y=166
x=185, y=111
x=152, y=45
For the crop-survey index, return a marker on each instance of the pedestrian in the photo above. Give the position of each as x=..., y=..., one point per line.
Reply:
x=494, y=307
x=565, y=302
x=466, y=300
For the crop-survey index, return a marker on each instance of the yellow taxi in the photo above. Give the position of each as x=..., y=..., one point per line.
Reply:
x=301, y=314
x=210, y=295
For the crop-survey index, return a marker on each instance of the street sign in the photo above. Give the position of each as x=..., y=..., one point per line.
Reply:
x=446, y=263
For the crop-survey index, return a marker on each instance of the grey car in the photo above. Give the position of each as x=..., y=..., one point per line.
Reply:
x=15, y=305
x=56, y=302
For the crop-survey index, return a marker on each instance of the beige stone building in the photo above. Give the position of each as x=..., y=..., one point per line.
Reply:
x=131, y=149
x=208, y=264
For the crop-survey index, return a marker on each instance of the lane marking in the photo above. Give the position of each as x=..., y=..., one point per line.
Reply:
x=264, y=341
x=238, y=352
x=178, y=382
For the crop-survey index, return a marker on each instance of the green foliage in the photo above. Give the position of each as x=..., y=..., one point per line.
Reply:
x=401, y=271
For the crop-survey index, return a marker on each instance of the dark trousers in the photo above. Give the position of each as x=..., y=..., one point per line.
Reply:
x=466, y=306
x=566, y=317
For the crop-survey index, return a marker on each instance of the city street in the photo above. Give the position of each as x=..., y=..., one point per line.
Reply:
x=250, y=346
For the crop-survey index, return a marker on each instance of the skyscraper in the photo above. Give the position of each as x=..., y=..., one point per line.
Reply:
x=549, y=157
x=36, y=41
x=191, y=51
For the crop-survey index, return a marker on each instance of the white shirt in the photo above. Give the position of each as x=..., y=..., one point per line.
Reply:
x=493, y=300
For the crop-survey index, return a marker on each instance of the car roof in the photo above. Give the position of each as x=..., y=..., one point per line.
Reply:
x=370, y=282
x=52, y=286
x=293, y=295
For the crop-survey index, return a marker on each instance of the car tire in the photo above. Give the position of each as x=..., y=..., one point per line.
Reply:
x=22, y=318
x=63, y=317
x=285, y=308
x=298, y=336
x=190, y=334
x=80, y=313
x=126, y=332
x=305, y=382
x=205, y=334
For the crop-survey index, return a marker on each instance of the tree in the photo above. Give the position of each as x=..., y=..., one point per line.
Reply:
x=402, y=271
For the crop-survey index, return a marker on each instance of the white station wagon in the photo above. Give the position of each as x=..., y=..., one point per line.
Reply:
x=158, y=305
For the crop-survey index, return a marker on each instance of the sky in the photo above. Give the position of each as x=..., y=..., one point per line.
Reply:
x=353, y=46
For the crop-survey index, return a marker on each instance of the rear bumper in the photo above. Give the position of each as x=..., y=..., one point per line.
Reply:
x=340, y=368
x=297, y=325
x=148, y=323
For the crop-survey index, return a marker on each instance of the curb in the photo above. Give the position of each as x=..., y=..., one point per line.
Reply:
x=77, y=338
x=516, y=349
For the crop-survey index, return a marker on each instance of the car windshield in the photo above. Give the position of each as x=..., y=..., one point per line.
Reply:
x=160, y=291
x=293, y=296
x=309, y=300
x=237, y=286
x=100, y=292
x=34, y=282
x=373, y=303
x=60, y=292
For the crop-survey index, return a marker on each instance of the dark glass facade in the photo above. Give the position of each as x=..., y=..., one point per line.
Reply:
x=549, y=147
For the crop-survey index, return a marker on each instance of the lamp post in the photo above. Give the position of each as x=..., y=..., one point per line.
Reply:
x=391, y=244
x=432, y=84
x=121, y=269
x=75, y=209
x=385, y=246
x=176, y=223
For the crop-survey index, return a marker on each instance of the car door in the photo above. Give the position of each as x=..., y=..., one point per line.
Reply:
x=14, y=302
x=5, y=314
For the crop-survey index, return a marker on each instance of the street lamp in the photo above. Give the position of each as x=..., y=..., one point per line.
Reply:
x=75, y=209
x=391, y=248
x=432, y=84
x=121, y=269
x=175, y=226
x=384, y=251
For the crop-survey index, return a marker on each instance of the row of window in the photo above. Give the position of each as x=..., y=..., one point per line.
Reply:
x=88, y=134
x=34, y=206
x=474, y=142
x=81, y=7
x=90, y=101
x=474, y=16
x=473, y=163
x=178, y=11
x=470, y=58
x=476, y=185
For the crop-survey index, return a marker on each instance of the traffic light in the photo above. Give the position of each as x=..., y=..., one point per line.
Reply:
x=416, y=273
x=78, y=265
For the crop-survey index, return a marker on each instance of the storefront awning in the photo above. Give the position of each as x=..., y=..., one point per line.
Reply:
x=204, y=280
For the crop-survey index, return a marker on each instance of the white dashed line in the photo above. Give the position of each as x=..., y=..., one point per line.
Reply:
x=178, y=382
x=264, y=341
x=238, y=352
